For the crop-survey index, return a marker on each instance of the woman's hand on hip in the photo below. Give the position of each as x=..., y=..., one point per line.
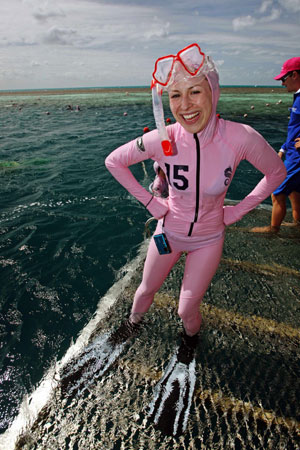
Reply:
x=158, y=207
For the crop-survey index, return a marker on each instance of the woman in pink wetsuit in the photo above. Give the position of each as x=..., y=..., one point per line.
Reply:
x=205, y=152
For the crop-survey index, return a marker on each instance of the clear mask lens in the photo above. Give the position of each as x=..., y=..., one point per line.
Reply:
x=163, y=69
x=192, y=59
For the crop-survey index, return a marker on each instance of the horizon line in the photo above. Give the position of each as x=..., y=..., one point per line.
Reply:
x=126, y=87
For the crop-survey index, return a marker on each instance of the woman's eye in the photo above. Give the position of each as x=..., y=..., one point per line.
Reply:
x=174, y=96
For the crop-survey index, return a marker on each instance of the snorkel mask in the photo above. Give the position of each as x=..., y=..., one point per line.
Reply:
x=188, y=62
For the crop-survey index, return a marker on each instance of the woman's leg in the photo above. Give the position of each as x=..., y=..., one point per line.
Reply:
x=278, y=210
x=295, y=202
x=156, y=269
x=200, y=267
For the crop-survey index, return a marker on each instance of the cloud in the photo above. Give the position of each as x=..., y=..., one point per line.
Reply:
x=157, y=31
x=290, y=5
x=243, y=22
x=265, y=5
x=42, y=15
x=240, y=23
x=275, y=14
x=219, y=62
x=59, y=36
x=42, y=10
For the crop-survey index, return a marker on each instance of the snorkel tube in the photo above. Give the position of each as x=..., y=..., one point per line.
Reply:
x=158, y=112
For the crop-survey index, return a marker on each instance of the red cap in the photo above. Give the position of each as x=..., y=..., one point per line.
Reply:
x=289, y=66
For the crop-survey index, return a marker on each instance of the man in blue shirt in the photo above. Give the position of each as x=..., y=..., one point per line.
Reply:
x=290, y=152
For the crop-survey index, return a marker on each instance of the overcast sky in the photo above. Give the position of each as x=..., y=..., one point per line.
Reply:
x=77, y=43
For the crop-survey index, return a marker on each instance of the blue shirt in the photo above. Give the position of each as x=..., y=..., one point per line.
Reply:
x=292, y=155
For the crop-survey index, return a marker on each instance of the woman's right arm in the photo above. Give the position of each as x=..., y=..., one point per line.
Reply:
x=118, y=163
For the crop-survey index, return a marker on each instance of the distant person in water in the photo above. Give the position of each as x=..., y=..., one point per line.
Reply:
x=290, y=152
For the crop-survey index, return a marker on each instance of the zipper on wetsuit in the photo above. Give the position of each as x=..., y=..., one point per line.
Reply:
x=197, y=183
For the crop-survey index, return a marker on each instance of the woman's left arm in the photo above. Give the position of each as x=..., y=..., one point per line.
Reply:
x=263, y=157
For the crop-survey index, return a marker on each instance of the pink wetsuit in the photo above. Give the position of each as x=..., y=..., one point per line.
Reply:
x=193, y=217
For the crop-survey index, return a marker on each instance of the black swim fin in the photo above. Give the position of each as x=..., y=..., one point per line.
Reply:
x=172, y=399
x=95, y=359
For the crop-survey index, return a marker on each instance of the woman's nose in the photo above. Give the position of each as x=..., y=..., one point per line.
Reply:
x=185, y=102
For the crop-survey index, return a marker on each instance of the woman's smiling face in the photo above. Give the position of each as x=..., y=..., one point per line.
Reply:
x=191, y=103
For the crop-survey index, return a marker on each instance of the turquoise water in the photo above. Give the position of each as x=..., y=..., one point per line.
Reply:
x=66, y=226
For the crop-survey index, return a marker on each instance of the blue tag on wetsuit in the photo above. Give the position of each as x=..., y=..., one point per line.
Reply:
x=162, y=244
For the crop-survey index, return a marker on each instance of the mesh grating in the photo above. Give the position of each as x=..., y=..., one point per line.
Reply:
x=247, y=389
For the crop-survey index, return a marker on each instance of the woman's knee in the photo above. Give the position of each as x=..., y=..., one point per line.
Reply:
x=188, y=310
x=146, y=291
x=279, y=200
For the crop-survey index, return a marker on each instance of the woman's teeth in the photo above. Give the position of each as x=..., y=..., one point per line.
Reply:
x=190, y=116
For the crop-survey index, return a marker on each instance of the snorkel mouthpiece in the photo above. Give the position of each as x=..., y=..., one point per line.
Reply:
x=167, y=148
x=158, y=112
